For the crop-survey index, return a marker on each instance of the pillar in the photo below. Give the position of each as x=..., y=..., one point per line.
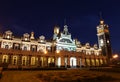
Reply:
x=20, y=61
x=90, y=60
x=85, y=63
x=62, y=62
x=68, y=61
x=78, y=61
x=39, y=61
x=99, y=62
x=56, y=61
x=10, y=59
x=29, y=61
x=46, y=62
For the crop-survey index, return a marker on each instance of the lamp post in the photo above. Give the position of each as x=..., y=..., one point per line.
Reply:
x=115, y=56
x=45, y=52
x=57, y=51
x=114, y=59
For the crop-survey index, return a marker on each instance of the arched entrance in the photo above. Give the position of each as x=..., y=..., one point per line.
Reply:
x=14, y=61
x=5, y=59
x=32, y=60
x=24, y=60
x=51, y=62
x=73, y=62
x=59, y=61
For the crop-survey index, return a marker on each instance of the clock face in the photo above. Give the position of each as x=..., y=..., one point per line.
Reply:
x=107, y=41
x=101, y=42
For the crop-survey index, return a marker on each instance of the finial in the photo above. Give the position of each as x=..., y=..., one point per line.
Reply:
x=32, y=36
x=101, y=18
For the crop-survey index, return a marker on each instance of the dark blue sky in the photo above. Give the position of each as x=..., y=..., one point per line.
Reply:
x=82, y=17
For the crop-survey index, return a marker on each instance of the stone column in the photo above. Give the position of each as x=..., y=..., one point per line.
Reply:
x=62, y=61
x=95, y=61
x=29, y=61
x=103, y=61
x=56, y=61
x=99, y=62
x=46, y=62
x=78, y=61
x=39, y=63
x=85, y=63
x=20, y=61
x=90, y=59
x=10, y=59
x=81, y=62
x=68, y=61
x=36, y=61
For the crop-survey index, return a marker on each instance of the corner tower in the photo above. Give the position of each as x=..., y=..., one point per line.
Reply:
x=104, y=39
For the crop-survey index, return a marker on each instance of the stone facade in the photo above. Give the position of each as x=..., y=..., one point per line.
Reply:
x=62, y=51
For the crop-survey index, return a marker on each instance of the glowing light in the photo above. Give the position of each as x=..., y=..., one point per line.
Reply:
x=45, y=52
x=101, y=22
x=115, y=56
x=73, y=62
x=57, y=51
x=59, y=61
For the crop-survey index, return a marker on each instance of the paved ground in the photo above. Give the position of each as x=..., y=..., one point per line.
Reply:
x=30, y=76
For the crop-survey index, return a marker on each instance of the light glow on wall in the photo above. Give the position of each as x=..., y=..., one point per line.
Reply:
x=73, y=62
x=59, y=61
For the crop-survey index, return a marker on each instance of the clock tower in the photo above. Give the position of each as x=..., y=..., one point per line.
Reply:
x=104, y=39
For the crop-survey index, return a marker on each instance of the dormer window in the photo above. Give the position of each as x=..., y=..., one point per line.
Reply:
x=95, y=46
x=26, y=37
x=87, y=45
x=42, y=39
x=8, y=35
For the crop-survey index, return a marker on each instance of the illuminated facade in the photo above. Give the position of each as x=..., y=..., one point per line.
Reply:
x=62, y=51
x=104, y=39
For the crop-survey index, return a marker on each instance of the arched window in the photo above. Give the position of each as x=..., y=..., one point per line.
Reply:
x=24, y=59
x=32, y=60
x=5, y=59
x=14, y=60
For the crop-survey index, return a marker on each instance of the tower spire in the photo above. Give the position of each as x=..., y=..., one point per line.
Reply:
x=101, y=18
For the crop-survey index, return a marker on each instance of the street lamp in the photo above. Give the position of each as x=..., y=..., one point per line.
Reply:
x=115, y=56
x=45, y=52
x=57, y=51
x=114, y=60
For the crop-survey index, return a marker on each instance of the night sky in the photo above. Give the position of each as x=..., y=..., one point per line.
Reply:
x=82, y=17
